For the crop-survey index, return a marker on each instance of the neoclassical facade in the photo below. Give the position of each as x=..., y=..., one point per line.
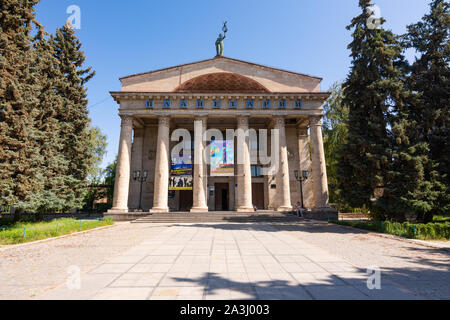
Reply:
x=219, y=94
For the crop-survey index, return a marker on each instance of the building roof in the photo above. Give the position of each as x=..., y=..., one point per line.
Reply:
x=224, y=58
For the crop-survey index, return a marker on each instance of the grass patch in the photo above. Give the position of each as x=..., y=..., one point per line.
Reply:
x=27, y=231
x=430, y=231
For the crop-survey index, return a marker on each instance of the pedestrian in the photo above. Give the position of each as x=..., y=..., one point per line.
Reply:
x=299, y=210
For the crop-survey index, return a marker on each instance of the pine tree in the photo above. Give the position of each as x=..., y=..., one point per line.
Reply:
x=429, y=78
x=372, y=89
x=74, y=120
x=19, y=153
x=54, y=168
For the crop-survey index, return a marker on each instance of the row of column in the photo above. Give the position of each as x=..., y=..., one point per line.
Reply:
x=244, y=176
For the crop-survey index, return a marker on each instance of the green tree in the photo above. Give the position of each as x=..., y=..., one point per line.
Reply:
x=429, y=78
x=373, y=88
x=19, y=86
x=53, y=169
x=335, y=132
x=93, y=192
x=98, y=144
x=74, y=121
x=110, y=181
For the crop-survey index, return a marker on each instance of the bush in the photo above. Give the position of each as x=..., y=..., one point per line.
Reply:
x=430, y=231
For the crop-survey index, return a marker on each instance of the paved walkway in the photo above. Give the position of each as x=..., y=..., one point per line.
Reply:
x=256, y=261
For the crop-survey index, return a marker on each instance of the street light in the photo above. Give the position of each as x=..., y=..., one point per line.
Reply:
x=137, y=177
x=304, y=177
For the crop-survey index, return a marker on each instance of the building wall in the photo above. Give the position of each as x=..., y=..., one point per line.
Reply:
x=149, y=156
x=139, y=103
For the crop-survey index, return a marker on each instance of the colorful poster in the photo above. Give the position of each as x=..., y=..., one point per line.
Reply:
x=180, y=174
x=222, y=158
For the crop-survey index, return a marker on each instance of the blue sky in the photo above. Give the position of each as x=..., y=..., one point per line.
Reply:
x=125, y=37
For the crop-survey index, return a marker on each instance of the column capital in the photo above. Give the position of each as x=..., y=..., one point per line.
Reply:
x=279, y=121
x=242, y=121
x=164, y=121
x=127, y=121
x=203, y=119
x=315, y=121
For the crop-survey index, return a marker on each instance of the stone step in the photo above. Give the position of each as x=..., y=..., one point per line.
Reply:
x=212, y=219
x=218, y=217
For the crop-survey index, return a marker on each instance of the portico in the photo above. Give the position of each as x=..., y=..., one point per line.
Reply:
x=270, y=111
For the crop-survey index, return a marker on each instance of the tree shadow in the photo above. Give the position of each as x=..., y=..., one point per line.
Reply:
x=308, y=287
x=423, y=273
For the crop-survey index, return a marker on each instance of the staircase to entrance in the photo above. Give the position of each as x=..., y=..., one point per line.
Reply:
x=219, y=217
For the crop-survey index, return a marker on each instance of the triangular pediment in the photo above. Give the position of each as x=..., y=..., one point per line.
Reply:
x=185, y=76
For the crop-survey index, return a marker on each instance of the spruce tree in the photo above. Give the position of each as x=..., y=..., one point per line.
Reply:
x=429, y=78
x=74, y=120
x=19, y=86
x=54, y=168
x=373, y=87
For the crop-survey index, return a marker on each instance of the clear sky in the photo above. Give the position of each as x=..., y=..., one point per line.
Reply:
x=125, y=37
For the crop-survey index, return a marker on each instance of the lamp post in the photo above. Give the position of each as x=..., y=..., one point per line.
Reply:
x=304, y=177
x=137, y=177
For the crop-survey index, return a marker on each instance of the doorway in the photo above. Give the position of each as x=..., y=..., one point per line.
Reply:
x=186, y=200
x=258, y=195
x=222, y=196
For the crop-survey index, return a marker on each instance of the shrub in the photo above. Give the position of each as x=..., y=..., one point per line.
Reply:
x=430, y=231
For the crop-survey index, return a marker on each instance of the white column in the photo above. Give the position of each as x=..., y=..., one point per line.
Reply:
x=199, y=204
x=122, y=185
x=162, y=164
x=282, y=177
x=244, y=172
x=319, y=169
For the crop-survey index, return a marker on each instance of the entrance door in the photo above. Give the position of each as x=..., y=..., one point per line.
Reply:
x=222, y=196
x=258, y=195
x=186, y=200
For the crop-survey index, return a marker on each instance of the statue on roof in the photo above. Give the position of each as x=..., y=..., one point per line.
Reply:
x=219, y=41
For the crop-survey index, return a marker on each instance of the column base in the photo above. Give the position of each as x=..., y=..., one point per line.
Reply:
x=160, y=210
x=245, y=209
x=284, y=209
x=200, y=210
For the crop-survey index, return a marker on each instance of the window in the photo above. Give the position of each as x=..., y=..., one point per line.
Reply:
x=282, y=104
x=233, y=104
x=200, y=103
x=299, y=104
x=266, y=104
x=167, y=103
x=256, y=171
x=183, y=104
x=217, y=104
x=149, y=103
x=250, y=104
